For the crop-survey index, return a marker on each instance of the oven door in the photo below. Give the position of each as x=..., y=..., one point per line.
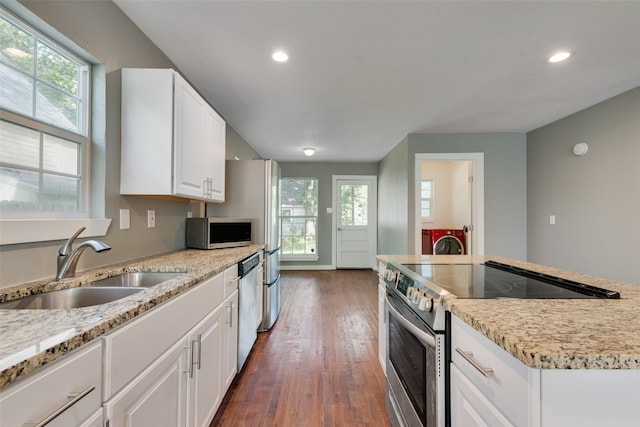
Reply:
x=415, y=378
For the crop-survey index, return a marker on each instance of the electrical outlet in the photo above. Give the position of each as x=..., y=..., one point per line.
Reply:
x=151, y=219
x=552, y=219
x=189, y=214
x=125, y=219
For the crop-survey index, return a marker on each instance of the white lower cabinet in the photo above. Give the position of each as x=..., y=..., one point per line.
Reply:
x=214, y=346
x=75, y=378
x=156, y=397
x=489, y=387
x=469, y=407
x=95, y=420
x=382, y=319
x=184, y=384
x=230, y=340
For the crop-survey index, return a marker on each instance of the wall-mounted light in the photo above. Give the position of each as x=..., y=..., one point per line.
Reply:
x=580, y=149
x=309, y=151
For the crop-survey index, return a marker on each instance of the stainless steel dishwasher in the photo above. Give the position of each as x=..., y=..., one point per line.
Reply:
x=248, y=287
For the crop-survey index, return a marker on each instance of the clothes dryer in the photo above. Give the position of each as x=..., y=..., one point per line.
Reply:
x=448, y=242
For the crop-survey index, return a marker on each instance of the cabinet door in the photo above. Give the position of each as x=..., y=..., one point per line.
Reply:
x=382, y=321
x=205, y=389
x=157, y=397
x=190, y=178
x=215, y=153
x=93, y=421
x=469, y=408
x=230, y=344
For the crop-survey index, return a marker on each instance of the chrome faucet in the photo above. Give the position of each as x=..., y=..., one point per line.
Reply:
x=68, y=258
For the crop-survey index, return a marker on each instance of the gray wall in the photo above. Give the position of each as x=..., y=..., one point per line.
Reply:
x=393, y=202
x=595, y=198
x=101, y=29
x=505, y=190
x=324, y=172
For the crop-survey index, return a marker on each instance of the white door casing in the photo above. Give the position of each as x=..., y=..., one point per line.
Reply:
x=355, y=233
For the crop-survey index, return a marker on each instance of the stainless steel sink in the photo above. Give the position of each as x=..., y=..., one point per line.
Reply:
x=70, y=298
x=141, y=279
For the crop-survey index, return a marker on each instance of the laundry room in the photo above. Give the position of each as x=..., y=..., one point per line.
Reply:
x=446, y=206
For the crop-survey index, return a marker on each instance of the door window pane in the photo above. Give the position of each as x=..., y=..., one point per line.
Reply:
x=354, y=204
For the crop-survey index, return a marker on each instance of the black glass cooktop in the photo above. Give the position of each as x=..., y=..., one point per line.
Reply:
x=496, y=280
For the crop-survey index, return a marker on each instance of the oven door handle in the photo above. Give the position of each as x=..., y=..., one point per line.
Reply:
x=424, y=337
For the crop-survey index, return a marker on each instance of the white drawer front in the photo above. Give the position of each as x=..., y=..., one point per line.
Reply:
x=39, y=396
x=230, y=280
x=137, y=344
x=507, y=386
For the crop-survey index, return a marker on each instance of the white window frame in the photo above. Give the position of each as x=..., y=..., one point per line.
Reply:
x=16, y=228
x=300, y=257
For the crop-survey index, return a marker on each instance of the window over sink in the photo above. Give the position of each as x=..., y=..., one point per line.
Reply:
x=45, y=134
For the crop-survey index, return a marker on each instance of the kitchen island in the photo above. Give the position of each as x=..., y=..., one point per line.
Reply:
x=556, y=362
x=30, y=339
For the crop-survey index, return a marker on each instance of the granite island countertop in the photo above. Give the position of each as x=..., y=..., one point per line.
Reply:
x=552, y=333
x=30, y=339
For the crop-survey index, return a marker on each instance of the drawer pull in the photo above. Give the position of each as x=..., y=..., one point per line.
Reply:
x=75, y=398
x=468, y=356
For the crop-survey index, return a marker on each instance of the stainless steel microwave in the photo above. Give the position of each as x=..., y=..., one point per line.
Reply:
x=216, y=233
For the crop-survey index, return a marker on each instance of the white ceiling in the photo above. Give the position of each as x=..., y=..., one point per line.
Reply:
x=364, y=74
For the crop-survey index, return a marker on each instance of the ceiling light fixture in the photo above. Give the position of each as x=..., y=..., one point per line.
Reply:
x=309, y=151
x=280, y=56
x=560, y=56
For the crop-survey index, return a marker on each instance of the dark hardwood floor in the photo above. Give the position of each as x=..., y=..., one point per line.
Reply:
x=318, y=365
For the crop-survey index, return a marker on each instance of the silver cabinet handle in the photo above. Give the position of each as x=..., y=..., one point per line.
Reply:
x=75, y=398
x=468, y=356
x=199, y=350
x=230, y=314
x=193, y=358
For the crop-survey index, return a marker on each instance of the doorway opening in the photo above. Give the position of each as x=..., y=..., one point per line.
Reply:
x=449, y=195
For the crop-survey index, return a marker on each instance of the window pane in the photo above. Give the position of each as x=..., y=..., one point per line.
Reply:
x=61, y=155
x=57, y=70
x=16, y=46
x=19, y=145
x=16, y=91
x=55, y=107
x=299, y=196
x=299, y=236
x=18, y=190
x=60, y=194
x=354, y=204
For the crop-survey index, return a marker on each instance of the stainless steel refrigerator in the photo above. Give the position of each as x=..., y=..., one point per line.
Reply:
x=253, y=191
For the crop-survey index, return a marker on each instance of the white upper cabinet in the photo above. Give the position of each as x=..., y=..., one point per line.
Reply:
x=173, y=142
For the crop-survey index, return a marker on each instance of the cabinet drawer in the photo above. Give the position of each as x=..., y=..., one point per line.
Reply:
x=39, y=396
x=137, y=344
x=507, y=386
x=230, y=280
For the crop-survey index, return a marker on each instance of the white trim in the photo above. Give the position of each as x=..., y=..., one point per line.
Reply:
x=14, y=231
x=307, y=267
x=478, y=197
x=373, y=215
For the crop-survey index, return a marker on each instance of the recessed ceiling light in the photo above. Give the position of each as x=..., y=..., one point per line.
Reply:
x=309, y=151
x=560, y=56
x=280, y=56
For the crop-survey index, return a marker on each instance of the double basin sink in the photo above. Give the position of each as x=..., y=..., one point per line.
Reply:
x=99, y=292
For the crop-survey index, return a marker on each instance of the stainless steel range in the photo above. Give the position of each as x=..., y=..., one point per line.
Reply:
x=418, y=344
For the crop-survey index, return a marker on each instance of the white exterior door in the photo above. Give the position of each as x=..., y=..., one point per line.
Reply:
x=355, y=221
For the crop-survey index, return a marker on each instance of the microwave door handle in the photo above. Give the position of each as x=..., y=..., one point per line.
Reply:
x=424, y=337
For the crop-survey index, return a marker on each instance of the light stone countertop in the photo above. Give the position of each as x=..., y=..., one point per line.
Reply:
x=30, y=339
x=552, y=333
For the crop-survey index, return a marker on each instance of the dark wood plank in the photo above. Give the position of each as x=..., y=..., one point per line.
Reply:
x=318, y=365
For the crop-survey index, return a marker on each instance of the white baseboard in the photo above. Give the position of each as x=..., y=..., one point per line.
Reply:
x=307, y=267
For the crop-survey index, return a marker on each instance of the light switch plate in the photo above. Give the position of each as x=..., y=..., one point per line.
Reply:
x=125, y=219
